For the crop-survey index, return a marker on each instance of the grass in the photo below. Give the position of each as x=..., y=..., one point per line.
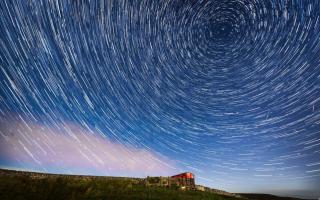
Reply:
x=26, y=188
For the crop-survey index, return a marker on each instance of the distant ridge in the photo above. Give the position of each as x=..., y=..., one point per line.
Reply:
x=34, y=174
x=266, y=197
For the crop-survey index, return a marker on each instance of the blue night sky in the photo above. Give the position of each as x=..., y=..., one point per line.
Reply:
x=226, y=89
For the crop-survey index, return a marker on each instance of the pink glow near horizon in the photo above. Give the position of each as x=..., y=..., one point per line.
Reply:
x=70, y=148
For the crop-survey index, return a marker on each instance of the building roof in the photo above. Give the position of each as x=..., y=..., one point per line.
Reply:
x=184, y=175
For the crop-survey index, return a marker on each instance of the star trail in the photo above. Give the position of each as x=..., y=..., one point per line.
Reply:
x=227, y=89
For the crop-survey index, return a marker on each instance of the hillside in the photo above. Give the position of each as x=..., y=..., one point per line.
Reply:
x=38, y=186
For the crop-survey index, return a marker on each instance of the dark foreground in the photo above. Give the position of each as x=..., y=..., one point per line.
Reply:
x=20, y=188
x=266, y=197
x=25, y=187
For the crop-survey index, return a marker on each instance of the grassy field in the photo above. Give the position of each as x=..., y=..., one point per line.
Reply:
x=24, y=187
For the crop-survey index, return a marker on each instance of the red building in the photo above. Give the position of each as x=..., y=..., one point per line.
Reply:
x=184, y=175
x=184, y=180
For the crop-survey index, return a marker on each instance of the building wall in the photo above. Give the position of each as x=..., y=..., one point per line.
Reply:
x=185, y=183
x=200, y=188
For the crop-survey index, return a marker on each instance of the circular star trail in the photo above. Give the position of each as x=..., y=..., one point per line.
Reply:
x=228, y=89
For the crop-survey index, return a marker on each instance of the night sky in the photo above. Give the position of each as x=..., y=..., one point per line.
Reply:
x=226, y=89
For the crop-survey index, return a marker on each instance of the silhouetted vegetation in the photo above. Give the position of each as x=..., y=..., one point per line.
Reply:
x=266, y=197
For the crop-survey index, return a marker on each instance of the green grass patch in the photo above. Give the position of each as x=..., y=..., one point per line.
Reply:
x=53, y=188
